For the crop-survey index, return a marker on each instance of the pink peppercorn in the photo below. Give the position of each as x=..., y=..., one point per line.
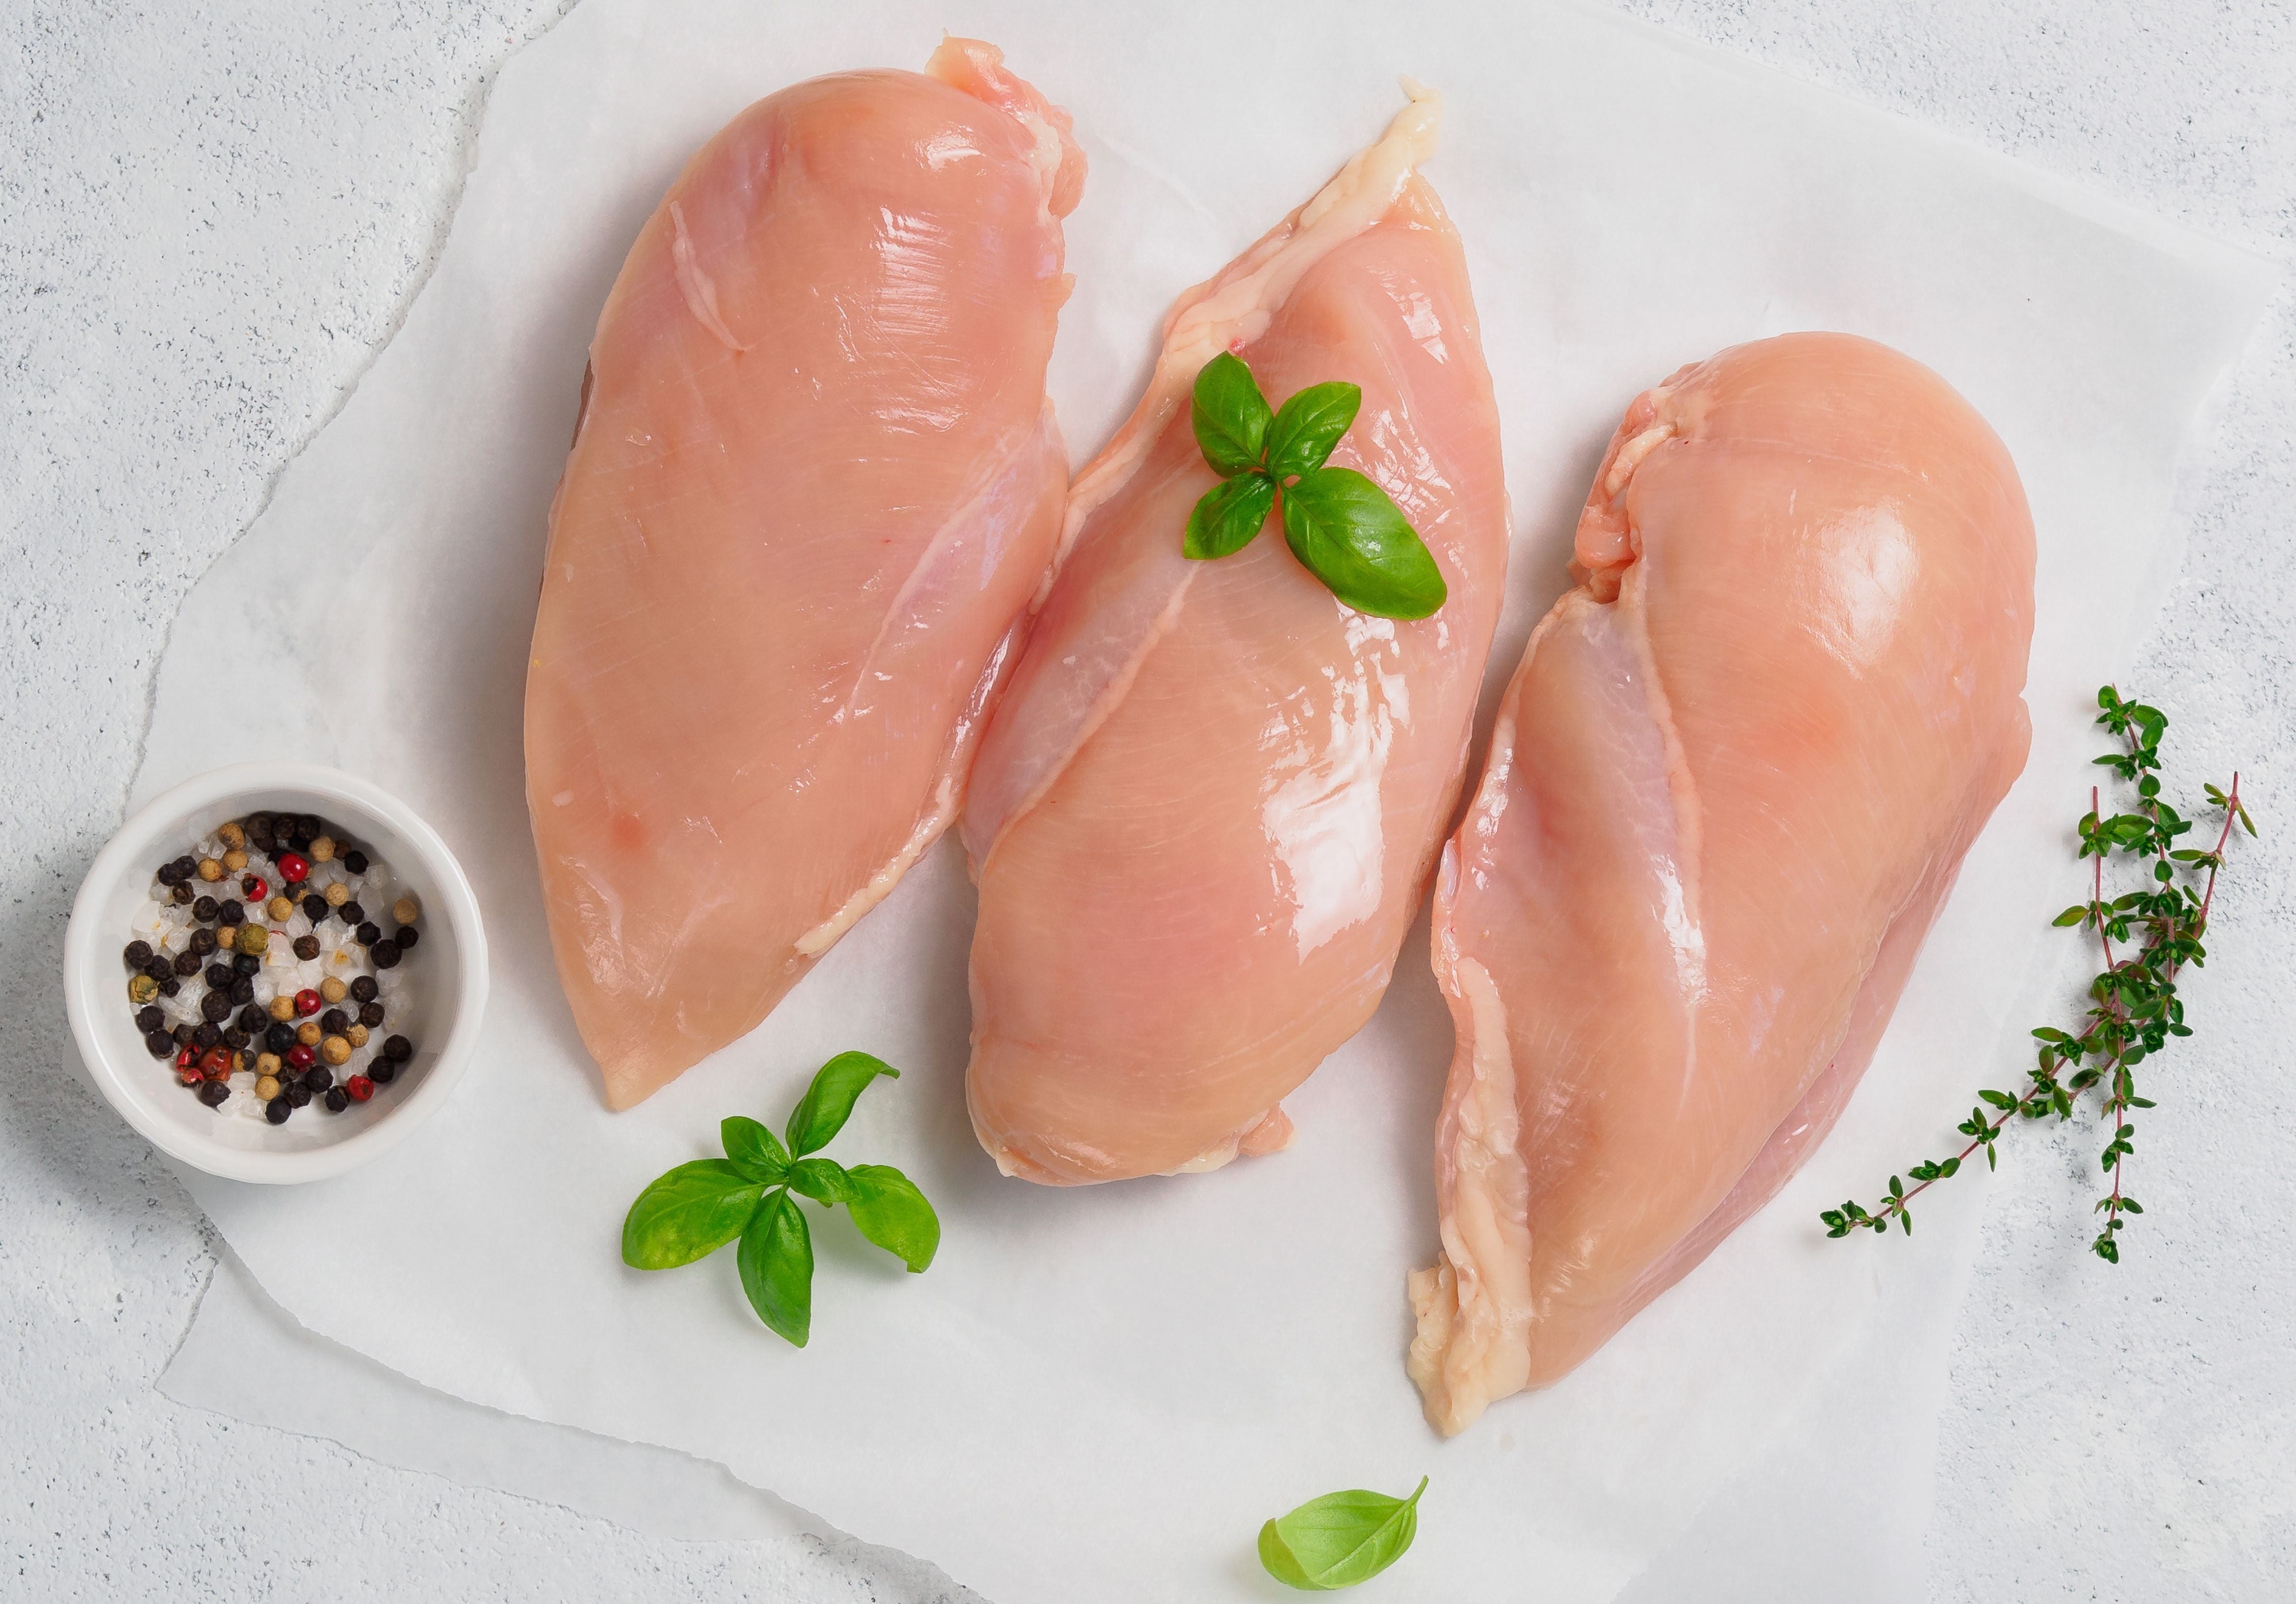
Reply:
x=359, y=1087
x=292, y=867
x=308, y=1002
x=301, y=1057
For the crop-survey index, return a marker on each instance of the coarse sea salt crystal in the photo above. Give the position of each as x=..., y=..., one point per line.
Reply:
x=243, y=1101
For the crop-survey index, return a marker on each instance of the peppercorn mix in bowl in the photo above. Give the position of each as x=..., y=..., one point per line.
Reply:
x=275, y=972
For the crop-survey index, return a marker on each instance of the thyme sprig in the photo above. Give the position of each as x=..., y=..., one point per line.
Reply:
x=2134, y=1010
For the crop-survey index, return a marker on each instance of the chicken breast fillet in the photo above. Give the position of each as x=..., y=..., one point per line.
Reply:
x=1203, y=817
x=815, y=484
x=1731, y=782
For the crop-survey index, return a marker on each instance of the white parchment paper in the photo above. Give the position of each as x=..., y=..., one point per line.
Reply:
x=1100, y=1394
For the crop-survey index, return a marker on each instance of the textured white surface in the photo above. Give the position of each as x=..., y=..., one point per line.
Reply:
x=214, y=219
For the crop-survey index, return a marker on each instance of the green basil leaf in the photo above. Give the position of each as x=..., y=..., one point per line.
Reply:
x=1308, y=425
x=1230, y=414
x=893, y=1214
x=822, y=1180
x=1340, y=1539
x=1346, y=532
x=694, y=1210
x=828, y=1103
x=756, y=1151
x=1229, y=516
x=777, y=1260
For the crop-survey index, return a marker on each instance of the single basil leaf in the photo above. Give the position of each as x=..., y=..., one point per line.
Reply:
x=893, y=1214
x=693, y=1211
x=777, y=1259
x=1308, y=425
x=1346, y=532
x=828, y=1103
x=756, y=1151
x=1229, y=516
x=822, y=1180
x=1230, y=414
x=1340, y=1539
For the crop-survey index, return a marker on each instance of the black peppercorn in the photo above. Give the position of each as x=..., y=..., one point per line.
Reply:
x=253, y=1021
x=351, y=913
x=279, y=1038
x=318, y=1077
x=234, y=1038
x=203, y=941
x=205, y=909
x=334, y=1021
x=160, y=967
x=215, y=1007
x=312, y=825
x=185, y=866
x=336, y=1099
x=398, y=1050
x=220, y=976
x=232, y=912
x=307, y=947
x=181, y=1035
x=181, y=894
x=166, y=874
x=368, y=933
x=215, y=1094
x=187, y=964
x=204, y=1036
x=383, y=955
x=277, y=1110
x=405, y=936
x=242, y=990
x=149, y=1018
x=296, y=1093
x=247, y=965
x=363, y=988
x=382, y=1072
x=355, y=861
x=257, y=823
x=314, y=907
x=159, y=1043
x=138, y=954
x=370, y=1014
x=170, y=987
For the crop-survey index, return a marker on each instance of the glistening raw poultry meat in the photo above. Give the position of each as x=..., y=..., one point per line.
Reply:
x=1731, y=782
x=815, y=484
x=1204, y=813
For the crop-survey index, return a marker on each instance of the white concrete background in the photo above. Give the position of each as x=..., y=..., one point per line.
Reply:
x=212, y=216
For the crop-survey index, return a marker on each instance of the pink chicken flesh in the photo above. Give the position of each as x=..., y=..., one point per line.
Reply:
x=1731, y=784
x=815, y=484
x=1204, y=815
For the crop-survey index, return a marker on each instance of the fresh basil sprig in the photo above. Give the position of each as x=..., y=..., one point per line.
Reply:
x=1343, y=528
x=752, y=1191
x=1340, y=1539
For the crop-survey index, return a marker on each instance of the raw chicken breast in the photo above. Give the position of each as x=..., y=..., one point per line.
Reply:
x=1204, y=815
x=1731, y=784
x=815, y=484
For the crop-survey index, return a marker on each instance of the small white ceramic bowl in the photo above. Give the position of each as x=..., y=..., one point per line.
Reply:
x=447, y=977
